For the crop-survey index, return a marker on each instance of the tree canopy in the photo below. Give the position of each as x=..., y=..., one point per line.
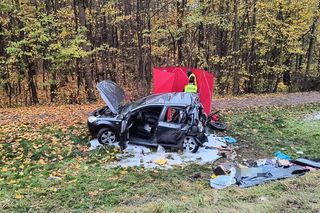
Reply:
x=56, y=50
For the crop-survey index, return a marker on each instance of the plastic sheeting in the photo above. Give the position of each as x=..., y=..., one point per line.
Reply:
x=135, y=155
x=247, y=177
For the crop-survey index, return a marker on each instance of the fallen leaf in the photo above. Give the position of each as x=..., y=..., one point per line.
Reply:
x=184, y=198
x=12, y=182
x=53, y=189
x=94, y=193
x=123, y=172
x=41, y=161
x=18, y=196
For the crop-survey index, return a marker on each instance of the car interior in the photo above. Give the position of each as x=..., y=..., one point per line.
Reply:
x=176, y=115
x=145, y=122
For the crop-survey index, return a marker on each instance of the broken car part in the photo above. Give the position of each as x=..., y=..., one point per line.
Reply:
x=306, y=162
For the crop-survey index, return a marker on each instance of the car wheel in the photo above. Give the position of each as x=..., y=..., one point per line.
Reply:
x=107, y=136
x=218, y=126
x=190, y=144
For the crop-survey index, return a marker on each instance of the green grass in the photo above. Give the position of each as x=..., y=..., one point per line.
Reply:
x=86, y=184
x=96, y=188
x=281, y=128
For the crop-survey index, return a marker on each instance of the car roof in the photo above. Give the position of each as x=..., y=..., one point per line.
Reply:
x=172, y=99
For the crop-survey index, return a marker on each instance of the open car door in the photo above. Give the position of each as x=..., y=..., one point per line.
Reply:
x=170, y=128
x=124, y=133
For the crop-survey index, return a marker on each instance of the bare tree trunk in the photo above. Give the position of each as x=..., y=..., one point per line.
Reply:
x=313, y=29
x=222, y=47
x=32, y=87
x=200, y=40
x=141, y=70
x=236, y=37
x=180, y=14
x=88, y=78
x=148, y=41
x=4, y=71
x=252, y=54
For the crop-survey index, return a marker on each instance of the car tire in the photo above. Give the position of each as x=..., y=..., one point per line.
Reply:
x=106, y=136
x=216, y=125
x=190, y=144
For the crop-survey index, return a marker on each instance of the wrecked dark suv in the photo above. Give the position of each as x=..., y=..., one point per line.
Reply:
x=170, y=119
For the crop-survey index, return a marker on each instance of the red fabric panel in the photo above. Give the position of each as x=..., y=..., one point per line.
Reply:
x=162, y=81
x=173, y=79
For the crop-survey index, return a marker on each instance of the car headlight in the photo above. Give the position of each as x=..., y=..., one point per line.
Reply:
x=200, y=126
x=92, y=119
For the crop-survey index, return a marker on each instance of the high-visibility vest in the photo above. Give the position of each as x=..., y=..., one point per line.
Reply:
x=191, y=88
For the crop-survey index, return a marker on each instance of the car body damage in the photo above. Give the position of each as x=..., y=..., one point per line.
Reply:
x=169, y=119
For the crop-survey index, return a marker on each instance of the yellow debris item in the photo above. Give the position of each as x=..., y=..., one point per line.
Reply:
x=161, y=161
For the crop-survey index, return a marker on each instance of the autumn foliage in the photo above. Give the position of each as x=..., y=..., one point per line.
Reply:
x=56, y=51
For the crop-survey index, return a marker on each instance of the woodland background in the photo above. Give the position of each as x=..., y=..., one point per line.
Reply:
x=56, y=50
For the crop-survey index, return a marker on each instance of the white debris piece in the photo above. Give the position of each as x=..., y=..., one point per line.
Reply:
x=135, y=155
x=94, y=144
x=312, y=117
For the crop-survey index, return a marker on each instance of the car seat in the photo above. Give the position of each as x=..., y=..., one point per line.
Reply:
x=145, y=124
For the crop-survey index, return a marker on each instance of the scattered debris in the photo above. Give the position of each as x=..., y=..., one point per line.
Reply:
x=313, y=117
x=263, y=198
x=306, y=162
x=265, y=170
x=230, y=139
x=284, y=163
x=223, y=181
x=227, y=151
x=281, y=155
x=262, y=162
x=94, y=144
x=161, y=161
x=54, y=178
x=135, y=155
x=299, y=152
x=224, y=169
x=257, y=175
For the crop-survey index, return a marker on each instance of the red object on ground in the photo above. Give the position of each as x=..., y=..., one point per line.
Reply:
x=174, y=79
x=215, y=117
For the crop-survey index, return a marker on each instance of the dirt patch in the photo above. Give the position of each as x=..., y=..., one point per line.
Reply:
x=266, y=100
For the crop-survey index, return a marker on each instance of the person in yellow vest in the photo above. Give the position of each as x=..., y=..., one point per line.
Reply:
x=192, y=83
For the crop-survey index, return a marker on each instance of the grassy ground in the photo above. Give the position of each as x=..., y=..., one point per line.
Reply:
x=46, y=166
x=278, y=128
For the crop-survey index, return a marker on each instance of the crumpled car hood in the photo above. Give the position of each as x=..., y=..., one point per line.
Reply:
x=112, y=95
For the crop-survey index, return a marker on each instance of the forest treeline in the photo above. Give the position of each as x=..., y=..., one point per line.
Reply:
x=57, y=50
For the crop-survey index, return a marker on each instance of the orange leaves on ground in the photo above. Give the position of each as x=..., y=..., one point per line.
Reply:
x=41, y=135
